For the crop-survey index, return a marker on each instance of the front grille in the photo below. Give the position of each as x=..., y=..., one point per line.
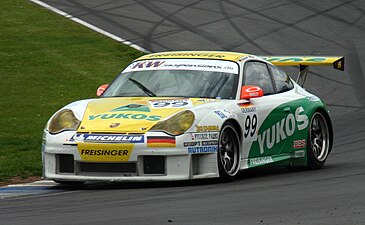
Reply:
x=65, y=163
x=85, y=167
x=196, y=158
x=154, y=165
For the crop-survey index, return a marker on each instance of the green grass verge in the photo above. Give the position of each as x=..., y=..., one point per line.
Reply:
x=46, y=61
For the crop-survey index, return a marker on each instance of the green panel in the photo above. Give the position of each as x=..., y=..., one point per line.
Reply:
x=279, y=134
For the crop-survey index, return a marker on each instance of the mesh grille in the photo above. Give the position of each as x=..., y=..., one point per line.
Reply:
x=65, y=163
x=107, y=167
x=154, y=165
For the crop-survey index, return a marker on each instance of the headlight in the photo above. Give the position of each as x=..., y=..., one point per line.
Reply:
x=177, y=124
x=63, y=120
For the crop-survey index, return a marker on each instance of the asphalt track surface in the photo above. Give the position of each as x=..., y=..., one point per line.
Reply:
x=333, y=195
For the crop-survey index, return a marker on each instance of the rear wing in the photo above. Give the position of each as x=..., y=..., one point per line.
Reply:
x=338, y=62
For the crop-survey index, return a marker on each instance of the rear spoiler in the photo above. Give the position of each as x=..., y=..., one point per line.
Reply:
x=338, y=62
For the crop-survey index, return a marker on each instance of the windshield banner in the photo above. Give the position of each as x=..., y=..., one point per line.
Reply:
x=184, y=64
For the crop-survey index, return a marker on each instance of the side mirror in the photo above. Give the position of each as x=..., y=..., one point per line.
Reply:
x=251, y=91
x=101, y=89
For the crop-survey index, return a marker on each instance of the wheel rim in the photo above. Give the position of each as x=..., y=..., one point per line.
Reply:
x=319, y=137
x=228, y=151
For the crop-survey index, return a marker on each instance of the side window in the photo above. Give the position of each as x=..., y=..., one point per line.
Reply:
x=282, y=80
x=257, y=73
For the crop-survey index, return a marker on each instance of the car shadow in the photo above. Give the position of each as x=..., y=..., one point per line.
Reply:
x=244, y=176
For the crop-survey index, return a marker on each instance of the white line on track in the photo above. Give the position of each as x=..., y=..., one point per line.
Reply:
x=28, y=189
x=42, y=183
x=15, y=190
x=86, y=24
x=38, y=186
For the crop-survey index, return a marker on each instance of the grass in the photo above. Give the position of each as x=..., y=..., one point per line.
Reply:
x=46, y=61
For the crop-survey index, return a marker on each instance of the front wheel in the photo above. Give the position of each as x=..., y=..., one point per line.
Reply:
x=228, y=152
x=319, y=144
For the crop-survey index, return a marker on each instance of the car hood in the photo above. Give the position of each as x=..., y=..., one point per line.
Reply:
x=132, y=115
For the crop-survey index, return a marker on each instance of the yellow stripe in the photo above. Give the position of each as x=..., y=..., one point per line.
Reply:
x=161, y=145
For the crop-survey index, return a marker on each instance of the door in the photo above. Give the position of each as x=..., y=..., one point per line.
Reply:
x=268, y=121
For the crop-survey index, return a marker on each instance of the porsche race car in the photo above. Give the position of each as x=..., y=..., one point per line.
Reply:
x=190, y=115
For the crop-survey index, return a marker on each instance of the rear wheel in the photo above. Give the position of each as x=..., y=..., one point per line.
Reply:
x=228, y=152
x=319, y=144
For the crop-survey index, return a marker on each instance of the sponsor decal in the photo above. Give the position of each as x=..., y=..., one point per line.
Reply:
x=170, y=103
x=107, y=116
x=299, y=154
x=187, y=54
x=208, y=143
x=207, y=128
x=248, y=110
x=184, y=64
x=195, y=65
x=192, y=143
x=283, y=129
x=261, y=161
x=200, y=143
x=200, y=150
x=161, y=142
x=132, y=107
x=247, y=107
x=102, y=152
x=221, y=114
x=299, y=144
x=146, y=64
x=295, y=59
x=77, y=138
x=208, y=100
x=205, y=136
x=108, y=138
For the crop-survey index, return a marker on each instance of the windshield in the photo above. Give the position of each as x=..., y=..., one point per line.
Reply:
x=177, y=78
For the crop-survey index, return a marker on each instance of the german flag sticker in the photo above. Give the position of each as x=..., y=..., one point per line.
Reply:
x=245, y=105
x=161, y=142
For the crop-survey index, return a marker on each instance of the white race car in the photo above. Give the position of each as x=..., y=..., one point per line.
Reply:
x=191, y=115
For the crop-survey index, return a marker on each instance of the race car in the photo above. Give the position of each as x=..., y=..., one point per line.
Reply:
x=190, y=115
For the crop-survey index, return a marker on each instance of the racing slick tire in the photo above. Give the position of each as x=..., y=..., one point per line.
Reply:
x=319, y=145
x=228, y=152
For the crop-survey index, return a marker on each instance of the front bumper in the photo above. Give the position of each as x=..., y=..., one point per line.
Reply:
x=62, y=161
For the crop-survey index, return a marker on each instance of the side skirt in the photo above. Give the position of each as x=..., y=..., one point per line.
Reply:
x=297, y=158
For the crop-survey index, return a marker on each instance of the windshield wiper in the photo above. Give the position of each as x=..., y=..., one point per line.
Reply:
x=143, y=88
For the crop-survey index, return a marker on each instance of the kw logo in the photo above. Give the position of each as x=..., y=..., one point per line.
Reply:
x=146, y=64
